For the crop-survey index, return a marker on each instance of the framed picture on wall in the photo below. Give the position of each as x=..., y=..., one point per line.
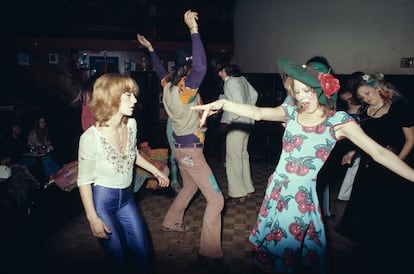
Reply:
x=101, y=63
x=170, y=66
x=53, y=58
x=23, y=59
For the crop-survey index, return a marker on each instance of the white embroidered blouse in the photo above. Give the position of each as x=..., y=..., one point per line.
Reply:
x=100, y=163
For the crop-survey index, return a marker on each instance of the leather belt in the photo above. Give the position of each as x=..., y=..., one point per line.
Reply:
x=194, y=145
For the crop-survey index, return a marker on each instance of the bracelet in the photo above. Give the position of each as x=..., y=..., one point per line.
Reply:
x=196, y=28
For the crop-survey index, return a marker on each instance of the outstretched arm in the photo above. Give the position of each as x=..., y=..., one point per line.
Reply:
x=250, y=111
x=380, y=154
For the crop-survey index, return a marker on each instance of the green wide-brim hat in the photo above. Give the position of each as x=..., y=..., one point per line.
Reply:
x=308, y=74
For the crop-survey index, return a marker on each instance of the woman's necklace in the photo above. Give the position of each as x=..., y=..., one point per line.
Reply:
x=120, y=138
x=377, y=109
x=117, y=137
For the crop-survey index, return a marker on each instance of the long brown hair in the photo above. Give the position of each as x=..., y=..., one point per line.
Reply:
x=42, y=134
x=175, y=76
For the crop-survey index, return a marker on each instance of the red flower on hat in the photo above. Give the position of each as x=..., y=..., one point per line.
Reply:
x=329, y=84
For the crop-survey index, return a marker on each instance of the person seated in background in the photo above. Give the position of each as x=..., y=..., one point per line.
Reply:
x=40, y=147
x=15, y=142
x=21, y=184
x=38, y=139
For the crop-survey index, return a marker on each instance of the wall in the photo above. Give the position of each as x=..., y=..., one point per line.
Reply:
x=127, y=60
x=368, y=35
x=67, y=83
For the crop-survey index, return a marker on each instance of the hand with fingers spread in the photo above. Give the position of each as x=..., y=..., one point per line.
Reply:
x=208, y=110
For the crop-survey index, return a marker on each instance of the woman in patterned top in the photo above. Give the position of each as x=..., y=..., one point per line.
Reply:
x=107, y=154
x=289, y=234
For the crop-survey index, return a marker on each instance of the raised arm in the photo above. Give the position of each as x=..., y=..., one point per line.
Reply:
x=156, y=61
x=199, y=60
x=380, y=154
x=250, y=111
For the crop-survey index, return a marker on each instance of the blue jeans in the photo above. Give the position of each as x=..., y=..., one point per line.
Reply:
x=49, y=165
x=129, y=237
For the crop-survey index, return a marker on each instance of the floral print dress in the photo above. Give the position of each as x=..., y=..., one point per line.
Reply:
x=289, y=228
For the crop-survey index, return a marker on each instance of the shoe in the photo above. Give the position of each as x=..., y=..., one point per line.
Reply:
x=215, y=265
x=177, y=228
x=239, y=201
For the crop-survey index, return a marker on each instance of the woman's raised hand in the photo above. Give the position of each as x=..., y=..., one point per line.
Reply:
x=190, y=18
x=143, y=41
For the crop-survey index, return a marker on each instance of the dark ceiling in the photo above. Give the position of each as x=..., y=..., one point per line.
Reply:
x=119, y=19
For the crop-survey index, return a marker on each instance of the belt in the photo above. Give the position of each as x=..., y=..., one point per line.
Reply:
x=195, y=145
